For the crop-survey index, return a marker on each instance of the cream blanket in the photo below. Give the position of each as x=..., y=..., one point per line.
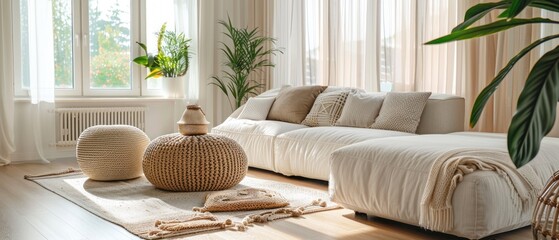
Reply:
x=451, y=167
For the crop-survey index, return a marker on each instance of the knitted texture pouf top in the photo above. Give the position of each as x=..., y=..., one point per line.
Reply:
x=111, y=152
x=194, y=163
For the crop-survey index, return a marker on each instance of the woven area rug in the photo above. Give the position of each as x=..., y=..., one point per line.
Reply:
x=138, y=206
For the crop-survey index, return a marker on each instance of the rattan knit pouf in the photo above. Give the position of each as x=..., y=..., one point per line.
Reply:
x=194, y=163
x=111, y=152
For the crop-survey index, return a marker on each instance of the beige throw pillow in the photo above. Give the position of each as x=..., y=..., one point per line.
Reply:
x=401, y=111
x=360, y=110
x=294, y=103
x=326, y=109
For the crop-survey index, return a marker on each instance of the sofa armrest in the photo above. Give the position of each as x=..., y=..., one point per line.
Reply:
x=442, y=114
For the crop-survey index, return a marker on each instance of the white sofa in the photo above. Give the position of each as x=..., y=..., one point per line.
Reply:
x=384, y=173
x=298, y=150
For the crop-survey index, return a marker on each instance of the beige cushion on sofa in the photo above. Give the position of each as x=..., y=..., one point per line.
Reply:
x=257, y=108
x=401, y=111
x=294, y=103
x=326, y=109
x=360, y=110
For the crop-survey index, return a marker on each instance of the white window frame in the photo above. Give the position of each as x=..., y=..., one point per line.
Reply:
x=80, y=61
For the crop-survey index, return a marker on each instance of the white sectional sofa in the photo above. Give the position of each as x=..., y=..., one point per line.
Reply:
x=383, y=173
x=299, y=150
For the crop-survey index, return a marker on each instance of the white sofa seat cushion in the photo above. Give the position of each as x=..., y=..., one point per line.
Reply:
x=256, y=138
x=387, y=177
x=305, y=152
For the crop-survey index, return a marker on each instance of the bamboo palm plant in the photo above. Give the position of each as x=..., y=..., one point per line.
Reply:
x=247, y=53
x=536, y=108
x=172, y=58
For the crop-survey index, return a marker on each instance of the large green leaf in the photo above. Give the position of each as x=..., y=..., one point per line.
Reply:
x=551, y=5
x=488, y=91
x=516, y=7
x=487, y=29
x=141, y=60
x=536, y=109
x=478, y=11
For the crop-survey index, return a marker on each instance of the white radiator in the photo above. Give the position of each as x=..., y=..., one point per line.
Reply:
x=72, y=121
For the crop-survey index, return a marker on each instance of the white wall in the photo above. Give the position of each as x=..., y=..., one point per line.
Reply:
x=161, y=118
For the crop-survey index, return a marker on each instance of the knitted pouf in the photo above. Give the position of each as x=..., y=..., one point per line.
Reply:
x=194, y=163
x=111, y=152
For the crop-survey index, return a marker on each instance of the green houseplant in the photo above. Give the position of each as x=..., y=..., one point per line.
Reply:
x=170, y=62
x=247, y=54
x=536, y=109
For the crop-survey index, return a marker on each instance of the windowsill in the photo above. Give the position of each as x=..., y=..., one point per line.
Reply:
x=100, y=99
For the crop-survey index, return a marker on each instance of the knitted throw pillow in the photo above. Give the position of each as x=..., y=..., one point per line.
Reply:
x=401, y=111
x=242, y=200
x=326, y=109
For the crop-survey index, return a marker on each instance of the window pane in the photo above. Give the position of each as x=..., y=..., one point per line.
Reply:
x=62, y=27
x=157, y=14
x=109, y=44
x=62, y=44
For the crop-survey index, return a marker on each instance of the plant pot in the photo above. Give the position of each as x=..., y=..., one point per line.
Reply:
x=173, y=87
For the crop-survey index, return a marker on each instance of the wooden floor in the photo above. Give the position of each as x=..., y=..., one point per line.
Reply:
x=27, y=211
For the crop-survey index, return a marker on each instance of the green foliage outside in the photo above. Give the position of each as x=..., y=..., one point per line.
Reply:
x=62, y=27
x=109, y=40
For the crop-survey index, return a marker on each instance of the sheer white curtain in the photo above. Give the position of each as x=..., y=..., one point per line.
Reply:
x=326, y=42
x=41, y=76
x=186, y=21
x=7, y=145
x=378, y=45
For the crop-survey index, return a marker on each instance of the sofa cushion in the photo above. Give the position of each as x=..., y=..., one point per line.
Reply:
x=257, y=108
x=256, y=137
x=305, y=152
x=401, y=111
x=387, y=178
x=326, y=109
x=294, y=103
x=360, y=110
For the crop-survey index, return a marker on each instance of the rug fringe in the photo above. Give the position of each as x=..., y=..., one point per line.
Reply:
x=177, y=227
x=63, y=172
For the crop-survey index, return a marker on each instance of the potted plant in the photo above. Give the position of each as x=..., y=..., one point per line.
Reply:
x=247, y=54
x=171, y=61
x=536, y=109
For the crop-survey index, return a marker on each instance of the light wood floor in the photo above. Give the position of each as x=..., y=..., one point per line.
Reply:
x=27, y=211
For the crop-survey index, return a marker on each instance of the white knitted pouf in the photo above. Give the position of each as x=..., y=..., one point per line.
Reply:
x=111, y=152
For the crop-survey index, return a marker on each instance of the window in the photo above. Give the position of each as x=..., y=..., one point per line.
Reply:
x=94, y=43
